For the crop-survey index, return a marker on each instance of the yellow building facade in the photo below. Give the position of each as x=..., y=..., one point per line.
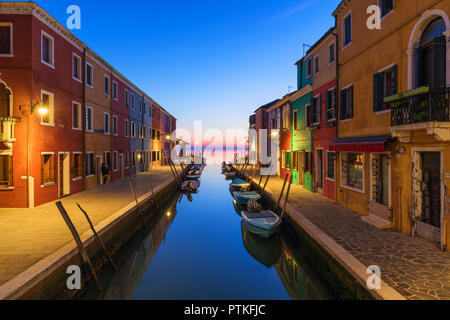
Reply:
x=393, y=131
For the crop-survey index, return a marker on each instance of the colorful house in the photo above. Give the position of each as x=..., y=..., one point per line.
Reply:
x=323, y=113
x=156, y=136
x=262, y=123
x=393, y=148
x=64, y=111
x=302, y=136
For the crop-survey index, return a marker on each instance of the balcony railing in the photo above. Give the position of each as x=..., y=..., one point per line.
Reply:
x=419, y=106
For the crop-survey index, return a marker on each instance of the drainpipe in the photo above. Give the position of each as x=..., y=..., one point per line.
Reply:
x=83, y=122
x=336, y=36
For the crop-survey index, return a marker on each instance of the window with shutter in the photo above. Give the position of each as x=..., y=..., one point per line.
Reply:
x=5, y=38
x=384, y=85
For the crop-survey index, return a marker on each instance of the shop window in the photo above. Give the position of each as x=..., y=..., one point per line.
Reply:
x=353, y=170
x=6, y=171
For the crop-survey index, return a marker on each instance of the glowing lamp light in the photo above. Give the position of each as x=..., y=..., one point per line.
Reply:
x=42, y=111
x=274, y=134
x=168, y=138
x=169, y=214
x=139, y=156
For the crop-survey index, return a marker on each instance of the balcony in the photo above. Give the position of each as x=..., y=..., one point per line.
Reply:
x=420, y=109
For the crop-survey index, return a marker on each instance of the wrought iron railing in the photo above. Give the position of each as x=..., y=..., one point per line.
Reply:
x=420, y=105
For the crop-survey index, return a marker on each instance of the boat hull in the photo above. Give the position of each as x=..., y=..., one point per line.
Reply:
x=264, y=226
x=244, y=198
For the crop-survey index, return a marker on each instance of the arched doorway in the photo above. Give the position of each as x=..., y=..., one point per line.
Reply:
x=428, y=51
x=431, y=56
x=5, y=101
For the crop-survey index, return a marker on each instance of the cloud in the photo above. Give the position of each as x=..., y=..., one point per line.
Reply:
x=292, y=11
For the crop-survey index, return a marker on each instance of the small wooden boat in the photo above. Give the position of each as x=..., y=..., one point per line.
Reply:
x=264, y=223
x=239, y=185
x=193, y=177
x=190, y=186
x=244, y=197
x=193, y=172
x=230, y=174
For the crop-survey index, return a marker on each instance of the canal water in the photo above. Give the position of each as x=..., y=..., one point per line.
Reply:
x=199, y=249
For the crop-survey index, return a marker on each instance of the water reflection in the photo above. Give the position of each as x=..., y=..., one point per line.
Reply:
x=203, y=250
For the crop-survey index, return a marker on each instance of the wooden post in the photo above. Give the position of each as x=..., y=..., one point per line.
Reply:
x=99, y=240
x=287, y=197
x=173, y=172
x=265, y=184
x=137, y=204
x=81, y=249
x=260, y=180
x=153, y=193
x=249, y=173
x=281, y=194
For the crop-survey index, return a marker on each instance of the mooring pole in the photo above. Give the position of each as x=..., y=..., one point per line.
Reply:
x=99, y=240
x=265, y=184
x=174, y=175
x=137, y=204
x=81, y=249
x=287, y=197
x=281, y=194
x=153, y=193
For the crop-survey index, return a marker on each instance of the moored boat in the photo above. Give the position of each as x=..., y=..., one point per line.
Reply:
x=190, y=186
x=239, y=185
x=244, y=197
x=264, y=223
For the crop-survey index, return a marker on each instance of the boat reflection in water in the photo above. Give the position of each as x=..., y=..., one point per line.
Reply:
x=133, y=262
x=297, y=275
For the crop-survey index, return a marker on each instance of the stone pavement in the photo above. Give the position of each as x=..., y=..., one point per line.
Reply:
x=29, y=235
x=414, y=267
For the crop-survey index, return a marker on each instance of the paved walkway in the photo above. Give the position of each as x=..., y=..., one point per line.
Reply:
x=415, y=268
x=29, y=235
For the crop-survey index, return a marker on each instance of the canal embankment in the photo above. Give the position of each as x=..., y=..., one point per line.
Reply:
x=343, y=247
x=36, y=246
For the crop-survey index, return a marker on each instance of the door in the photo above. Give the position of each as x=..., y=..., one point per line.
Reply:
x=431, y=188
x=122, y=166
x=99, y=171
x=301, y=167
x=319, y=173
x=64, y=174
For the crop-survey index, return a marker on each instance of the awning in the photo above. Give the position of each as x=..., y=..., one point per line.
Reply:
x=3, y=146
x=368, y=144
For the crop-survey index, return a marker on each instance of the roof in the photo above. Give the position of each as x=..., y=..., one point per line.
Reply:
x=340, y=6
x=269, y=105
x=318, y=42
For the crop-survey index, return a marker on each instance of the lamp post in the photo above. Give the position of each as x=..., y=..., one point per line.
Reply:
x=27, y=111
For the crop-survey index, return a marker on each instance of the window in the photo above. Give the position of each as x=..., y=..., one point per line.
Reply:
x=347, y=103
x=153, y=156
x=76, y=116
x=295, y=116
x=76, y=67
x=132, y=100
x=115, y=125
x=140, y=132
x=115, y=96
x=295, y=160
x=353, y=170
x=133, y=129
x=127, y=128
x=144, y=131
x=386, y=6
x=283, y=159
x=431, y=56
x=159, y=155
x=89, y=119
x=153, y=134
x=331, y=165
x=308, y=115
x=6, y=38
x=115, y=161
x=77, y=166
x=380, y=174
x=47, y=56
x=133, y=158
x=332, y=53
x=48, y=102
x=48, y=169
x=330, y=105
x=316, y=110
x=384, y=85
x=158, y=135
x=106, y=123
x=308, y=162
x=309, y=67
x=316, y=62
x=89, y=75
x=347, y=30
x=89, y=164
x=108, y=159
x=127, y=163
x=140, y=106
x=107, y=85
x=126, y=97
x=286, y=117
x=6, y=171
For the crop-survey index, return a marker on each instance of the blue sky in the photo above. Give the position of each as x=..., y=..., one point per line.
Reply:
x=215, y=61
